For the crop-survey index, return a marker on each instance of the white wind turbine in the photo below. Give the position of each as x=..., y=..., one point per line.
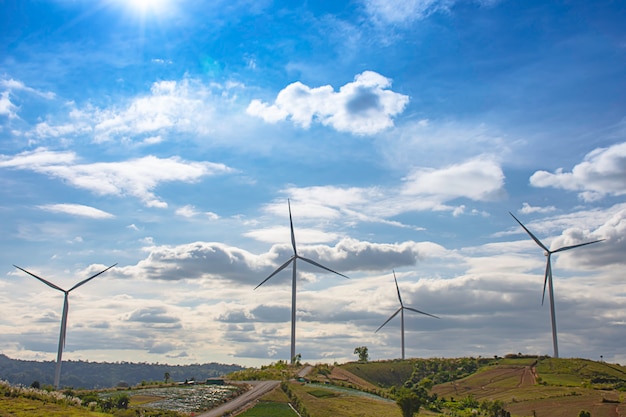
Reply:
x=293, y=260
x=401, y=311
x=548, y=278
x=57, y=372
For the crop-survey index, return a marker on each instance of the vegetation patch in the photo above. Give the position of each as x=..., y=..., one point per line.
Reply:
x=322, y=393
x=582, y=372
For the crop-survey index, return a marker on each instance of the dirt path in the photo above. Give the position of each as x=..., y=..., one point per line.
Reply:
x=259, y=389
x=528, y=377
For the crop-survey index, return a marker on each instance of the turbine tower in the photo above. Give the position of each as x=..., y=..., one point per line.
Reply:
x=547, y=280
x=401, y=311
x=57, y=371
x=293, y=260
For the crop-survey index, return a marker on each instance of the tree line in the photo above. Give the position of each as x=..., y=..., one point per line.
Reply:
x=96, y=375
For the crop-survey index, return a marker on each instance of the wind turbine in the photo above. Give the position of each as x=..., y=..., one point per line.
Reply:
x=401, y=311
x=548, y=278
x=57, y=371
x=293, y=260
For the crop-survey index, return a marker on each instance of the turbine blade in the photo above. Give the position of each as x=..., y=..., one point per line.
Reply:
x=283, y=266
x=576, y=246
x=421, y=312
x=320, y=266
x=530, y=234
x=90, y=278
x=293, y=236
x=397, y=288
x=48, y=283
x=545, y=278
x=389, y=319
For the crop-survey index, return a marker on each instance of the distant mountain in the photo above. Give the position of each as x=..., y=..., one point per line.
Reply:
x=93, y=375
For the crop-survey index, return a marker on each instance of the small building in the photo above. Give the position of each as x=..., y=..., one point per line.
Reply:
x=214, y=381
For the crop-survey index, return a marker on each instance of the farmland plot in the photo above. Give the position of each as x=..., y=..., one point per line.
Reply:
x=190, y=399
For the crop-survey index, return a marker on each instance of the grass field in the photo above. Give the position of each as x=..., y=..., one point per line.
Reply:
x=269, y=409
x=320, y=402
x=382, y=374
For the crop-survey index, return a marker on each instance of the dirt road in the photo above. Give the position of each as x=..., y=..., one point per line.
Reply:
x=259, y=388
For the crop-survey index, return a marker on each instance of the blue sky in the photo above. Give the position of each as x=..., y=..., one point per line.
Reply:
x=168, y=136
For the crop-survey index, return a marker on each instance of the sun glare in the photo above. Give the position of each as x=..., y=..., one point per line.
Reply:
x=148, y=6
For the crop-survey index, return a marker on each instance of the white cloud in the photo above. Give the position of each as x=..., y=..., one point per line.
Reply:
x=39, y=158
x=7, y=108
x=187, y=211
x=184, y=106
x=601, y=173
x=479, y=179
x=363, y=107
x=77, y=210
x=15, y=85
x=420, y=142
x=402, y=11
x=137, y=177
x=393, y=12
x=190, y=211
x=528, y=209
x=424, y=189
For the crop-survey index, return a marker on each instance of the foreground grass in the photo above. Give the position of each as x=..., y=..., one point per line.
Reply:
x=25, y=407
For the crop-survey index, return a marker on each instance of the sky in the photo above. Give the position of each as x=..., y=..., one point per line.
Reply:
x=167, y=137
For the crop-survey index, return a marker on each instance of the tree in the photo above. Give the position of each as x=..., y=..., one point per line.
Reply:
x=408, y=401
x=296, y=359
x=362, y=352
x=166, y=377
x=584, y=413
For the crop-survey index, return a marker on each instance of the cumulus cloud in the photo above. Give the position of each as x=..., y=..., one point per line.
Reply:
x=198, y=260
x=152, y=315
x=77, y=210
x=601, y=173
x=184, y=106
x=217, y=261
x=137, y=177
x=362, y=107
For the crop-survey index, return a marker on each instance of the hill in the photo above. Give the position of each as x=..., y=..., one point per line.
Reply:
x=94, y=375
x=528, y=386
